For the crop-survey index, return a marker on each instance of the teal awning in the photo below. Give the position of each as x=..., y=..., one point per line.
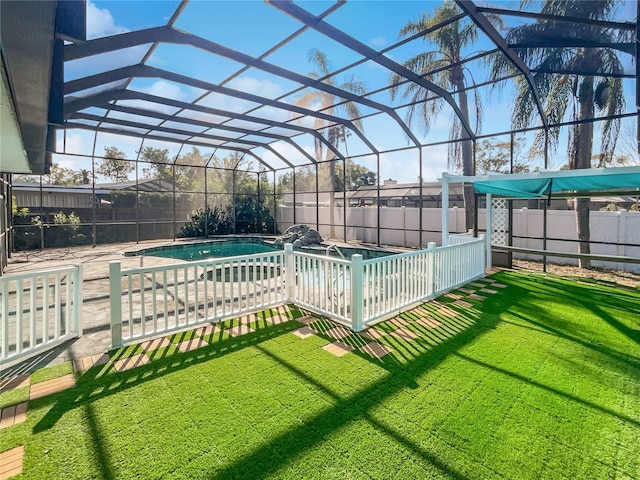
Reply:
x=542, y=184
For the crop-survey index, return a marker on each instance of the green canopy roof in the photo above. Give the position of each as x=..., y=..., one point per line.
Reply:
x=535, y=185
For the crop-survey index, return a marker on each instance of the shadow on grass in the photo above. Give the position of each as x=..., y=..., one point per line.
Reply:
x=550, y=389
x=100, y=449
x=102, y=381
x=598, y=299
x=406, y=365
x=411, y=359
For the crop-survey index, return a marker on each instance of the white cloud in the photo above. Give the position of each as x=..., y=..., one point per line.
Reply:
x=378, y=42
x=289, y=152
x=162, y=88
x=264, y=88
x=104, y=62
x=77, y=142
x=225, y=102
x=100, y=22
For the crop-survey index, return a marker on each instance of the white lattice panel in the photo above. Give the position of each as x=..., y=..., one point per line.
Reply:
x=499, y=222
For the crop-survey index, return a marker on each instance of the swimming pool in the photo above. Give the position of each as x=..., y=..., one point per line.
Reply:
x=204, y=251
x=192, y=252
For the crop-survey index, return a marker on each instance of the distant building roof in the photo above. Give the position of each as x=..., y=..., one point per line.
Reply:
x=145, y=185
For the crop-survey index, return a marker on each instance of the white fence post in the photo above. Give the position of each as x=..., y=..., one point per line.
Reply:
x=357, y=294
x=5, y=318
x=115, y=300
x=486, y=262
x=289, y=272
x=77, y=299
x=431, y=246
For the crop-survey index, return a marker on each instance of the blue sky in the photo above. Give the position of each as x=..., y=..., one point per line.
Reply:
x=253, y=27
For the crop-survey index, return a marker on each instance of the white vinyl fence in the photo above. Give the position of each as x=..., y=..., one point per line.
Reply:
x=39, y=311
x=149, y=301
x=614, y=233
x=322, y=284
x=458, y=238
x=391, y=284
x=152, y=301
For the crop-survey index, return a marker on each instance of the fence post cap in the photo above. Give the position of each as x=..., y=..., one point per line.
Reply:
x=288, y=247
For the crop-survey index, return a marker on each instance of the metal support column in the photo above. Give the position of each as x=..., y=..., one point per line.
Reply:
x=344, y=200
x=420, y=179
x=378, y=199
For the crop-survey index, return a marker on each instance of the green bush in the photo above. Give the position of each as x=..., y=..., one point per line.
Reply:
x=26, y=229
x=217, y=219
x=65, y=231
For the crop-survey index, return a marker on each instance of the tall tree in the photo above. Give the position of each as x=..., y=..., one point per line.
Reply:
x=114, y=165
x=59, y=175
x=578, y=94
x=335, y=134
x=82, y=177
x=357, y=176
x=493, y=155
x=159, y=163
x=189, y=171
x=449, y=40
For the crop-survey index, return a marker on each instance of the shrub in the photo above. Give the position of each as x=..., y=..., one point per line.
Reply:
x=217, y=219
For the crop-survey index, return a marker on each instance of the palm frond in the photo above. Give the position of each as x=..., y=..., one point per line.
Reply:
x=320, y=61
x=611, y=128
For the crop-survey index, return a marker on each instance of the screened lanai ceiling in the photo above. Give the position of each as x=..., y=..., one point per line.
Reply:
x=241, y=76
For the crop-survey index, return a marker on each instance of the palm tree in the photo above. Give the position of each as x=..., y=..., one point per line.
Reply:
x=450, y=74
x=335, y=133
x=583, y=93
x=82, y=177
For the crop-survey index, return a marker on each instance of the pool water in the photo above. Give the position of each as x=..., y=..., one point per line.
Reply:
x=234, y=248
x=194, y=253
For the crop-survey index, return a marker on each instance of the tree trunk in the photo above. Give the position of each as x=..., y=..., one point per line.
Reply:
x=582, y=148
x=468, y=193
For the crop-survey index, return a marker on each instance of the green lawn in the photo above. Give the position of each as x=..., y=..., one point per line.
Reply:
x=540, y=380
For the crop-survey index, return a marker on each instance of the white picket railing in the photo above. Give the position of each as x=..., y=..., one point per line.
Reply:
x=148, y=301
x=322, y=284
x=458, y=238
x=458, y=264
x=39, y=311
x=393, y=282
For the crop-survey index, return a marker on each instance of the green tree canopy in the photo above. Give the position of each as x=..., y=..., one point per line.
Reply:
x=493, y=155
x=114, y=165
x=158, y=163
